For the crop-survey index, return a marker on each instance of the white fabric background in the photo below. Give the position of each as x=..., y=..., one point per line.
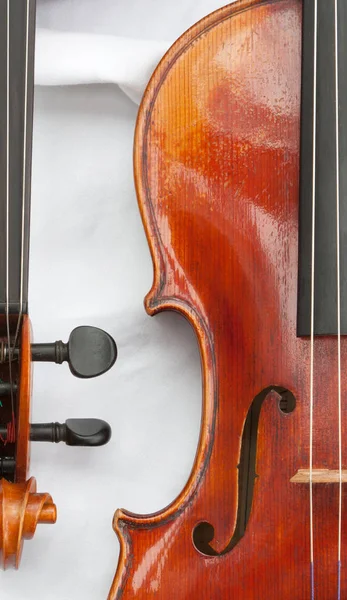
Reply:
x=90, y=265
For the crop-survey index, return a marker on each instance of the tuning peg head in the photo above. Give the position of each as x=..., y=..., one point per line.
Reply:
x=74, y=432
x=91, y=352
x=87, y=432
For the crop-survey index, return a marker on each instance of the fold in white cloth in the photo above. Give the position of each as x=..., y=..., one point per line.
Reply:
x=64, y=58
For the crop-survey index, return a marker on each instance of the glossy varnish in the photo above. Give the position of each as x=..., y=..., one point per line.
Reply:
x=217, y=174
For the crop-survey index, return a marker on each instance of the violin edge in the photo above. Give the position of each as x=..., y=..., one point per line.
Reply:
x=154, y=301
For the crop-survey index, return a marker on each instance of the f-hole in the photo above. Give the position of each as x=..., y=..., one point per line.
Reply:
x=203, y=533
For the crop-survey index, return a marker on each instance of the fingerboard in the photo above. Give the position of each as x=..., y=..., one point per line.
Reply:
x=17, y=32
x=325, y=251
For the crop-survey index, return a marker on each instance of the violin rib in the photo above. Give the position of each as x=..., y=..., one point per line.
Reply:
x=217, y=177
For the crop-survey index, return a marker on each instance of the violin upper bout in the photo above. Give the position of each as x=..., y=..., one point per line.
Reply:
x=212, y=105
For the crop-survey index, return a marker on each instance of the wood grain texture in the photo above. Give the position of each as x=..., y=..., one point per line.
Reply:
x=217, y=175
x=319, y=476
x=22, y=508
x=24, y=405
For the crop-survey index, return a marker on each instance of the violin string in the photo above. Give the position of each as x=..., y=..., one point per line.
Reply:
x=338, y=274
x=24, y=186
x=314, y=150
x=7, y=302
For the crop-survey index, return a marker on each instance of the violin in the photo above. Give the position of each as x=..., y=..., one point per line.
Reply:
x=240, y=156
x=89, y=351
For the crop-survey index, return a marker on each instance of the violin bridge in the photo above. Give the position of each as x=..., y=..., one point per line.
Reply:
x=319, y=476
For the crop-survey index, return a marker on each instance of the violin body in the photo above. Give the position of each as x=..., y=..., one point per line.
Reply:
x=217, y=161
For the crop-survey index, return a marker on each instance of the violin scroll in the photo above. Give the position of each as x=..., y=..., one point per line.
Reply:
x=21, y=509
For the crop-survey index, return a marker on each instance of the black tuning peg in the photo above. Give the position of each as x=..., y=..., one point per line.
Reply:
x=90, y=352
x=6, y=388
x=74, y=432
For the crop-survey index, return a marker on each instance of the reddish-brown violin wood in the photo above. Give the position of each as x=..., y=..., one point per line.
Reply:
x=24, y=414
x=217, y=173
